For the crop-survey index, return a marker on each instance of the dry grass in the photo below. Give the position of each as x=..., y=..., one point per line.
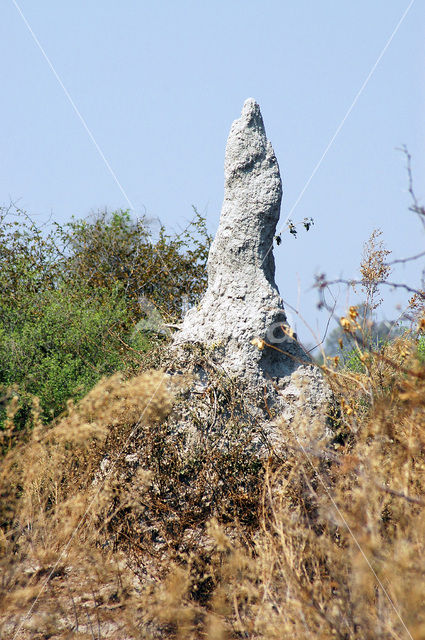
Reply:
x=109, y=530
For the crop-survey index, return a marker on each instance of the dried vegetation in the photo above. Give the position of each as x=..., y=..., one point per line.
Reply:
x=110, y=531
x=112, y=526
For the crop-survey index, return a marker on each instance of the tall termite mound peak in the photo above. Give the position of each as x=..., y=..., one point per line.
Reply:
x=242, y=301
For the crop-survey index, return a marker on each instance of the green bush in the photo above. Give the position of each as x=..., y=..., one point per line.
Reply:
x=350, y=360
x=72, y=298
x=61, y=346
x=114, y=249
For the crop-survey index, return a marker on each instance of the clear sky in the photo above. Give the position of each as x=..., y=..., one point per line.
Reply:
x=159, y=83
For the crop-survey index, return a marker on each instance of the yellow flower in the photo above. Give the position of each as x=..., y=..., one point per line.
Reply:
x=259, y=343
x=345, y=324
x=353, y=313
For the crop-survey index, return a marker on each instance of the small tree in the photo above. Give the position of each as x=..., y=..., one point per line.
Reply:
x=114, y=248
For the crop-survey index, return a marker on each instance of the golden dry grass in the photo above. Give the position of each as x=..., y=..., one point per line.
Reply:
x=332, y=545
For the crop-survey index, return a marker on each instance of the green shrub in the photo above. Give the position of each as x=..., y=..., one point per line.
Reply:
x=113, y=249
x=72, y=298
x=351, y=360
x=61, y=346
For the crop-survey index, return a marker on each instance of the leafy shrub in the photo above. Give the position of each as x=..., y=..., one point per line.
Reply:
x=351, y=361
x=109, y=249
x=59, y=347
x=71, y=297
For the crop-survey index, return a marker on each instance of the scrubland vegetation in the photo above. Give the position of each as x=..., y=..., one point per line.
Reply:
x=108, y=530
x=73, y=298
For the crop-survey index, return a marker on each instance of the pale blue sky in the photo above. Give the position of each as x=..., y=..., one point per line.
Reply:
x=159, y=83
